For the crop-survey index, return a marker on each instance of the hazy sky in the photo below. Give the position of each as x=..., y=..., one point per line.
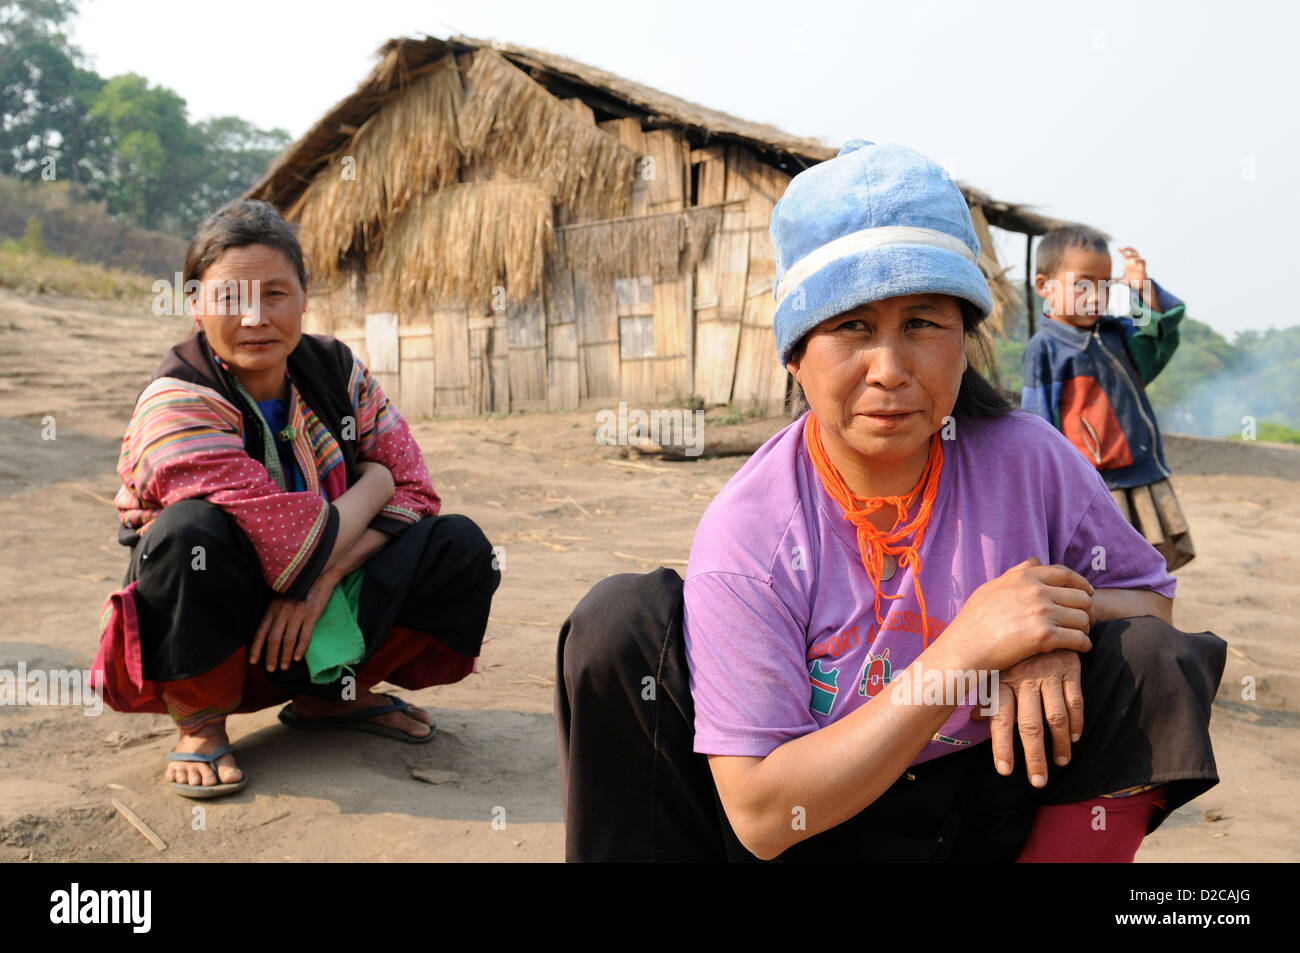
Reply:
x=1171, y=126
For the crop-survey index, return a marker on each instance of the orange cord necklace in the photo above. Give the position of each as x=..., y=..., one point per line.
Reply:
x=872, y=543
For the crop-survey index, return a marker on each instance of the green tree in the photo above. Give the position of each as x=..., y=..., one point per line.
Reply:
x=130, y=144
x=235, y=155
x=154, y=159
x=1212, y=384
x=1203, y=355
x=1010, y=354
x=45, y=94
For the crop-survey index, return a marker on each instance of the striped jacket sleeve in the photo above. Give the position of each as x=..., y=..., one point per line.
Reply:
x=384, y=437
x=185, y=441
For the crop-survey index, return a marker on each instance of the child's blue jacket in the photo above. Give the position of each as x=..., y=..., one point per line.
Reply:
x=1090, y=385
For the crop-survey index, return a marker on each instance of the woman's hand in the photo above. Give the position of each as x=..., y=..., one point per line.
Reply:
x=1045, y=684
x=1029, y=610
x=287, y=625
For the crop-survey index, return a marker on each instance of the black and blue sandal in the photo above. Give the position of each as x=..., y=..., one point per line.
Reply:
x=202, y=791
x=360, y=720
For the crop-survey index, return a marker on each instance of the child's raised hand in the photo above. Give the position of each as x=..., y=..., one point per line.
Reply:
x=1135, y=267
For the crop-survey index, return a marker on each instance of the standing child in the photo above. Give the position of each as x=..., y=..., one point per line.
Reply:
x=1085, y=372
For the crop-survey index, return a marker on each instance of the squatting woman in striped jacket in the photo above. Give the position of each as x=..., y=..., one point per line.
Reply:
x=286, y=542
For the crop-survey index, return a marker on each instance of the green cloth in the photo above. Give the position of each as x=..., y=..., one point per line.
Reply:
x=336, y=642
x=1154, y=338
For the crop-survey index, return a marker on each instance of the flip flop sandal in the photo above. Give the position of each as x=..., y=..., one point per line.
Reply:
x=202, y=791
x=360, y=721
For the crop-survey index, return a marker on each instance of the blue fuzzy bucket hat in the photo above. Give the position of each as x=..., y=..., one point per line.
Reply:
x=875, y=222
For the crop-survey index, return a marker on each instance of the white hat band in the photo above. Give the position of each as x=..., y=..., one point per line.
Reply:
x=855, y=242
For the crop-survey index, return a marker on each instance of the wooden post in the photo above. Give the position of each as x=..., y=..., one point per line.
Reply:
x=1029, y=285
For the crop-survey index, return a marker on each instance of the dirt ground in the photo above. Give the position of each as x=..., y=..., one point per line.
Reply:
x=567, y=513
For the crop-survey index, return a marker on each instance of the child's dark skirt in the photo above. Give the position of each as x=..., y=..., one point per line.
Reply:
x=1154, y=512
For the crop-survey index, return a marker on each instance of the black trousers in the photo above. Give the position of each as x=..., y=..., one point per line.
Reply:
x=634, y=790
x=197, y=606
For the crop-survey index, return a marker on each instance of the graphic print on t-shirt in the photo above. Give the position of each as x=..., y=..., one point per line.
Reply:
x=940, y=736
x=875, y=674
x=824, y=687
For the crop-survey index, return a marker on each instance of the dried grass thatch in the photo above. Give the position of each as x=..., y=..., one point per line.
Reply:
x=450, y=248
x=406, y=57
x=1005, y=300
x=662, y=245
x=405, y=148
x=516, y=125
x=980, y=353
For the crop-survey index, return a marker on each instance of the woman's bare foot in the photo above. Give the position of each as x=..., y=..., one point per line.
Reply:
x=204, y=741
x=414, y=721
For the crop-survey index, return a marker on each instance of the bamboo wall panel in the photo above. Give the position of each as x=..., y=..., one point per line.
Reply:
x=479, y=332
x=638, y=382
x=598, y=373
x=499, y=361
x=323, y=310
x=634, y=297
x=562, y=390
x=715, y=363
x=628, y=131
x=451, y=363
x=597, y=322
x=382, y=346
x=526, y=340
x=562, y=352
x=634, y=301
x=715, y=339
x=634, y=294
x=381, y=342
x=417, y=369
x=760, y=376
x=668, y=194
x=558, y=291
x=355, y=339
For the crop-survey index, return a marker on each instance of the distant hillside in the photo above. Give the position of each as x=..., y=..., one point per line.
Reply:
x=76, y=226
x=1212, y=387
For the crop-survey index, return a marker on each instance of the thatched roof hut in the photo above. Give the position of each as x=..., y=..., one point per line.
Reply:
x=493, y=227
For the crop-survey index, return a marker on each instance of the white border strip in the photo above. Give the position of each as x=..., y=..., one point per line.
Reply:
x=855, y=242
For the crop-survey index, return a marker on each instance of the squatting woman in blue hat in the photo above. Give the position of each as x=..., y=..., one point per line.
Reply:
x=914, y=625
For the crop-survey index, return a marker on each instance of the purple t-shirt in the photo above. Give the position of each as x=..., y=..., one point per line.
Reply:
x=780, y=625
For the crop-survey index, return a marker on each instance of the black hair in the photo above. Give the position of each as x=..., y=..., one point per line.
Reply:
x=236, y=225
x=1050, y=254
x=976, y=397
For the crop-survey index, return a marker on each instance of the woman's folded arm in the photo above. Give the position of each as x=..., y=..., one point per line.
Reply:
x=1131, y=603
x=814, y=782
x=183, y=442
x=383, y=436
